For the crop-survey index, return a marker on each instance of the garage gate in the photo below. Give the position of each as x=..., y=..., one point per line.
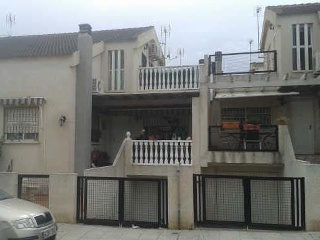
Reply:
x=122, y=201
x=252, y=202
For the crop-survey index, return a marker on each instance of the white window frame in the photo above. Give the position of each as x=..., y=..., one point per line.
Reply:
x=116, y=65
x=21, y=123
x=298, y=46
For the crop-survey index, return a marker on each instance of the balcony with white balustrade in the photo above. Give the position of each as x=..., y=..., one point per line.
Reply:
x=161, y=152
x=172, y=78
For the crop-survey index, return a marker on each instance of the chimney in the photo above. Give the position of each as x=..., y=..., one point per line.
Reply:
x=85, y=28
x=83, y=100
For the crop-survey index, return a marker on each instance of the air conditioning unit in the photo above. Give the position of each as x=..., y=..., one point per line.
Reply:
x=97, y=86
x=153, y=49
x=155, y=52
x=317, y=62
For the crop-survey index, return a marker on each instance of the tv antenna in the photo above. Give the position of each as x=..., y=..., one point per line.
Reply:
x=180, y=54
x=258, y=11
x=250, y=42
x=165, y=33
x=10, y=21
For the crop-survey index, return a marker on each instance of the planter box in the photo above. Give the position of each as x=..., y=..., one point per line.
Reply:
x=251, y=127
x=230, y=125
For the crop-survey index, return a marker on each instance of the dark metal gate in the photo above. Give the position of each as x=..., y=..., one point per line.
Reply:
x=122, y=201
x=34, y=188
x=253, y=202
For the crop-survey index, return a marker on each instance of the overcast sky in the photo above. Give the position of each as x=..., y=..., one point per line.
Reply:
x=197, y=26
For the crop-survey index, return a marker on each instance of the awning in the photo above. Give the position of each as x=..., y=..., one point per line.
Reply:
x=221, y=95
x=22, y=101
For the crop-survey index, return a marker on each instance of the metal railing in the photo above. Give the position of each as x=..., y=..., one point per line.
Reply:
x=169, y=78
x=241, y=63
x=34, y=188
x=161, y=152
x=263, y=140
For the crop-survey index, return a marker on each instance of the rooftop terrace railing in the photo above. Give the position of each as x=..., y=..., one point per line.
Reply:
x=169, y=78
x=242, y=63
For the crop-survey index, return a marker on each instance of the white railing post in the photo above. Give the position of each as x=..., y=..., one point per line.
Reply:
x=176, y=152
x=171, y=152
x=146, y=154
x=166, y=152
x=161, y=153
x=182, y=152
x=156, y=160
x=151, y=144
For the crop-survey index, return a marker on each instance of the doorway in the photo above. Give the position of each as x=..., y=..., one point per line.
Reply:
x=302, y=126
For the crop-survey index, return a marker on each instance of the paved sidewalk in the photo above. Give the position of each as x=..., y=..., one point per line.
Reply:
x=93, y=232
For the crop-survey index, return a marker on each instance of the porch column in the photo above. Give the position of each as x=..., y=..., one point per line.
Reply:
x=63, y=196
x=180, y=199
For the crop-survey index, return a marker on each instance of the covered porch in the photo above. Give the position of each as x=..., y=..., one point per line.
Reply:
x=166, y=121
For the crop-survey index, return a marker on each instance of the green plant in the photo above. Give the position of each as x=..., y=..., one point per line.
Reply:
x=253, y=120
x=283, y=120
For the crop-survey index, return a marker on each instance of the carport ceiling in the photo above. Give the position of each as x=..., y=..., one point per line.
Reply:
x=114, y=101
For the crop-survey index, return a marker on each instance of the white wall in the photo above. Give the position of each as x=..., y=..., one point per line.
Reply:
x=311, y=173
x=280, y=38
x=53, y=79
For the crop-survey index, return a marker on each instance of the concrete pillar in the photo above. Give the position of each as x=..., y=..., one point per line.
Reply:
x=218, y=62
x=173, y=202
x=63, y=196
x=9, y=182
x=83, y=101
x=186, y=198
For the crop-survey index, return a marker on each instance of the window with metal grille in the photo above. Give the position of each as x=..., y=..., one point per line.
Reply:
x=302, y=46
x=21, y=123
x=116, y=70
x=262, y=115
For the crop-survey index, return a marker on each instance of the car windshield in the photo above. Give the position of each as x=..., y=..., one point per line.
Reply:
x=4, y=195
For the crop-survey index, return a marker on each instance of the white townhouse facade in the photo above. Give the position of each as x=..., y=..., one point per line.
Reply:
x=77, y=102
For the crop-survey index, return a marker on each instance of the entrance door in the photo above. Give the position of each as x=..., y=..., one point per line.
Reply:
x=302, y=126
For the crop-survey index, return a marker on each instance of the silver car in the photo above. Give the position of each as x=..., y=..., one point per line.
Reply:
x=20, y=219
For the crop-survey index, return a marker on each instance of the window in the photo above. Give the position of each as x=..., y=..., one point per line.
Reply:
x=302, y=46
x=260, y=114
x=21, y=123
x=116, y=70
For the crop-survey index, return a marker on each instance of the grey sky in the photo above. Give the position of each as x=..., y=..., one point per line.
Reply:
x=199, y=26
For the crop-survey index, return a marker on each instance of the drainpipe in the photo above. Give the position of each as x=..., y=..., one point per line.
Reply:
x=179, y=196
x=83, y=101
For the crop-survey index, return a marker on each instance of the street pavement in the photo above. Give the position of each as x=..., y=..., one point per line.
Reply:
x=95, y=232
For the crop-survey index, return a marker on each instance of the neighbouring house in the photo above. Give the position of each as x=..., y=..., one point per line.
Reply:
x=211, y=130
x=46, y=93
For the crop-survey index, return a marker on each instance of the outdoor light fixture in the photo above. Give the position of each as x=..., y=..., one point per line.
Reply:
x=62, y=120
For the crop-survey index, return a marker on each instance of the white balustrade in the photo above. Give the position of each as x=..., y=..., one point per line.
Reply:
x=162, y=152
x=169, y=78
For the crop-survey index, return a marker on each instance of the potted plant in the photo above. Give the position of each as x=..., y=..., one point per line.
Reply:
x=252, y=124
x=283, y=120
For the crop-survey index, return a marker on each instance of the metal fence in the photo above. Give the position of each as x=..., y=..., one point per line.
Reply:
x=34, y=188
x=122, y=201
x=265, y=139
x=245, y=62
x=253, y=202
